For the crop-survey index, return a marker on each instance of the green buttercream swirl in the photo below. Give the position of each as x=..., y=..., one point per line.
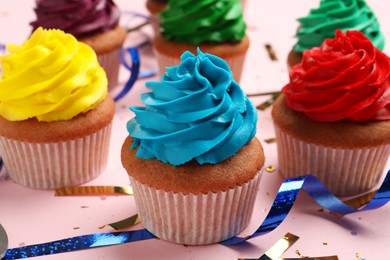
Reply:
x=323, y=21
x=196, y=22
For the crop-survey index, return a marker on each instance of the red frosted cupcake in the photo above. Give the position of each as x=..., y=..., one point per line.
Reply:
x=332, y=119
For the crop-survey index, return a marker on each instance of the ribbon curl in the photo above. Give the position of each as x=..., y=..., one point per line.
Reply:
x=285, y=199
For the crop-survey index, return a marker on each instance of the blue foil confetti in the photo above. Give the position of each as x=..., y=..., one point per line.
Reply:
x=285, y=199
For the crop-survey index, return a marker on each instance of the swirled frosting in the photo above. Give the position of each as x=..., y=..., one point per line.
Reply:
x=345, y=78
x=196, y=112
x=51, y=77
x=196, y=22
x=80, y=18
x=323, y=21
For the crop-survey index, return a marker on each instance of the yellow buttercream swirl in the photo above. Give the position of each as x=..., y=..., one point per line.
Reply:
x=51, y=76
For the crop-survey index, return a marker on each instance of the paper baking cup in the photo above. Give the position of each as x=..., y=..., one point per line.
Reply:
x=196, y=219
x=110, y=62
x=236, y=63
x=343, y=171
x=56, y=165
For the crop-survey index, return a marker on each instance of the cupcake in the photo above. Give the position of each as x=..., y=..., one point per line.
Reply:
x=155, y=7
x=323, y=21
x=55, y=114
x=332, y=119
x=192, y=156
x=94, y=22
x=216, y=26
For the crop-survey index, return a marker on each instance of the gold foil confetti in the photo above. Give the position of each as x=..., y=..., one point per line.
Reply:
x=103, y=226
x=84, y=207
x=270, y=140
x=270, y=168
x=333, y=257
x=356, y=202
x=263, y=94
x=281, y=246
x=125, y=223
x=94, y=191
x=271, y=52
x=75, y=228
x=268, y=103
x=325, y=243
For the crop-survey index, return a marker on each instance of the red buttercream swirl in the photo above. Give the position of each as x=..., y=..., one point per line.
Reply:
x=345, y=78
x=81, y=18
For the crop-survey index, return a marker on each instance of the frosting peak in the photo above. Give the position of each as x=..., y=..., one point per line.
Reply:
x=80, y=18
x=344, y=15
x=51, y=76
x=196, y=112
x=196, y=22
x=345, y=78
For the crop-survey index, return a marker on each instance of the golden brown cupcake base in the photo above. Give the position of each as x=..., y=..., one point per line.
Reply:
x=222, y=50
x=192, y=177
x=32, y=130
x=106, y=41
x=293, y=59
x=342, y=134
x=155, y=7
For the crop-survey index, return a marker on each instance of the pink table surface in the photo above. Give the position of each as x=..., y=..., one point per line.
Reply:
x=36, y=216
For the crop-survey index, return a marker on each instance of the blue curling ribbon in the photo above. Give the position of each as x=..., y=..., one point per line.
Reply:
x=77, y=243
x=141, y=74
x=134, y=70
x=285, y=199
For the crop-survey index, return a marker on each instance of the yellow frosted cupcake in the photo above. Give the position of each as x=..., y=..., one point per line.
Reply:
x=192, y=156
x=55, y=114
x=95, y=23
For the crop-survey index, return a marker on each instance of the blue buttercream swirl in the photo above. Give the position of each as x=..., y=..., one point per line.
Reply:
x=197, y=112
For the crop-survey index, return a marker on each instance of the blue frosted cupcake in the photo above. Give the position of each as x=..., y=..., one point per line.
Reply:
x=192, y=156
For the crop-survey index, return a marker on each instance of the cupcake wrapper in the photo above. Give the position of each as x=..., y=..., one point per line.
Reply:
x=55, y=165
x=196, y=219
x=343, y=171
x=236, y=64
x=110, y=62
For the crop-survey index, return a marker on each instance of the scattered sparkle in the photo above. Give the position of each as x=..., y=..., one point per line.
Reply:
x=270, y=168
x=270, y=140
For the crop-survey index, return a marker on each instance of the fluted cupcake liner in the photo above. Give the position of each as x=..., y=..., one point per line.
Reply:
x=236, y=63
x=110, y=62
x=343, y=171
x=55, y=165
x=196, y=219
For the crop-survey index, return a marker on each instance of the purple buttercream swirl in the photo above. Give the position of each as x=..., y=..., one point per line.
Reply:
x=80, y=18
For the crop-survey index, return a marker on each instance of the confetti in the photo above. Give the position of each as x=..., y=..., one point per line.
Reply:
x=356, y=202
x=270, y=169
x=125, y=223
x=94, y=191
x=270, y=140
x=278, y=249
x=271, y=52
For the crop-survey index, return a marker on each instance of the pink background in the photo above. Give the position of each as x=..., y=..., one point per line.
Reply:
x=34, y=216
